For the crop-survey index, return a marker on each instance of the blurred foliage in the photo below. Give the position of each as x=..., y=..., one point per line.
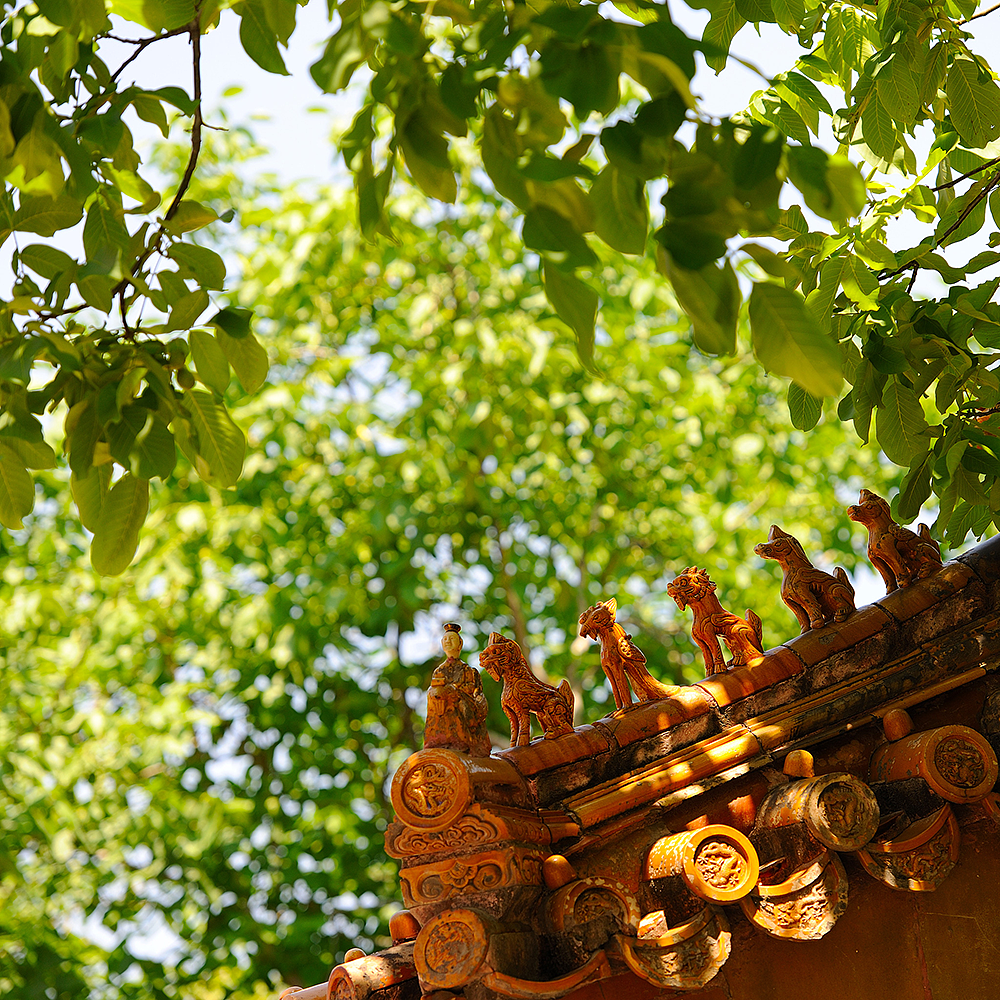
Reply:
x=194, y=755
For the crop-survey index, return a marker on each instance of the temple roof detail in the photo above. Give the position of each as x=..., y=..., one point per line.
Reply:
x=634, y=848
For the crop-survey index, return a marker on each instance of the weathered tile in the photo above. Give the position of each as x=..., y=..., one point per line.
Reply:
x=654, y=717
x=542, y=755
x=731, y=686
x=906, y=602
x=820, y=644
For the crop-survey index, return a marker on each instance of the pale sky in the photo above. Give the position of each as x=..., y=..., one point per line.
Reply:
x=299, y=140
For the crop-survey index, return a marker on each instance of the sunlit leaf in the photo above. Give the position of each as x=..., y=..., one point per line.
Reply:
x=121, y=517
x=788, y=341
x=900, y=425
x=17, y=490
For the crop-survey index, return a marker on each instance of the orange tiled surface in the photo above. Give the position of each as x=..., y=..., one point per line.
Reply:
x=817, y=644
x=729, y=686
x=654, y=717
x=924, y=594
x=540, y=755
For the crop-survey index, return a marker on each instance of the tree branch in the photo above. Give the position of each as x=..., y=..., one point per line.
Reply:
x=982, y=13
x=971, y=173
x=967, y=211
x=196, y=122
x=141, y=44
x=194, y=32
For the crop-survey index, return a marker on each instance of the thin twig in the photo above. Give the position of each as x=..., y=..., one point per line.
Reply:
x=982, y=13
x=58, y=313
x=196, y=121
x=194, y=31
x=141, y=44
x=913, y=277
x=971, y=173
x=965, y=213
x=968, y=209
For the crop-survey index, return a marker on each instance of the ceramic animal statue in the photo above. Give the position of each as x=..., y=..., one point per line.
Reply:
x=743, y=636
x=523, y=692
x=815, y=597
x=621, y=659
x=901, y=556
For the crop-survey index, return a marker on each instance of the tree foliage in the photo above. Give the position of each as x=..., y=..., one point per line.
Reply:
x=194, y=757
x=577, y=114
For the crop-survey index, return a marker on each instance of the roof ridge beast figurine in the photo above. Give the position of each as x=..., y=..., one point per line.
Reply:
x=743, y=636
x=523, y=692
x=816, y=598
x=901, y=556
x=621, y=659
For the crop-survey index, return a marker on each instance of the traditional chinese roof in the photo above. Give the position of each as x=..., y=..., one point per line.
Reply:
x=688, y=842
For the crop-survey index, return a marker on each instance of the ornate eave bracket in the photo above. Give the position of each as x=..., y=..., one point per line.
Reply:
x=538, y=869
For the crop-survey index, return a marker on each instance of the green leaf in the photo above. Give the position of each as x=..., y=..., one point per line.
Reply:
x=549, y=230
x=915, y=489
x=690, y=243
x=281, y=18
x=96, y=291
x=755, y=11
x=343, y=54
x=247, y=357
x=46, y=216
x=620, y=211
x=83, y=431
x=90, y=492
x=970, y=208
x=788, y=341
x=258, y=37
x=803, y=88
x=221, y=445
x=210, y=360
x=900, y=426
x=846, y=187
x=803, y=407
x=153, y=452
x=46, y=260
x=177, y=97
x=897, y=89
x=116, y=535
x=233, y=320
x=149, y=109
x=719, y=32
x=205, y=265
x=777, y=265
x=885, y=356
x=17, y=358
x=190, y=215
x=859, y=284
x=711, y=299
x=425, y=153
x=878, y=129
x=17, y=489
x=575, y=304
x=585, y=75
x=156, y=15
x=974, y=100
x=185, y=311
x=26, y=441
x=39, y=160
x=104, y=233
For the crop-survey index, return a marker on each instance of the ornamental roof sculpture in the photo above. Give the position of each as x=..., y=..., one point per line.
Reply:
x=712, y=823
